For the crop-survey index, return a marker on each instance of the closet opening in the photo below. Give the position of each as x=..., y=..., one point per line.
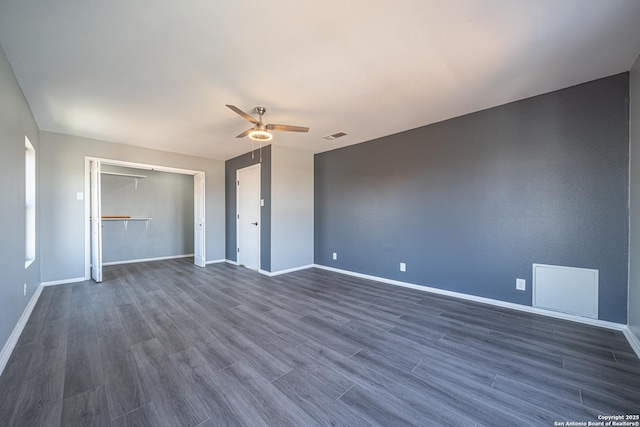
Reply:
x=140, y=212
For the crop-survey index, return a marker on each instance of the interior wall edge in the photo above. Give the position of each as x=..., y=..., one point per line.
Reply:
x=64, y=281
x=216, y=261
x=633, y=340
x=497, y=303
x=10, y=344
x=135, y=261
x=288, y=270
x=633, y=296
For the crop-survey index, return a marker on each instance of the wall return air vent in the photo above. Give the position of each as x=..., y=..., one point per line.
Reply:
x=566, y=289
x=334, y=136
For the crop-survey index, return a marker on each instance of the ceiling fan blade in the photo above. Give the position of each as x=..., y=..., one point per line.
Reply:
x=243, y=114
x=288, y=128
x=245, y=133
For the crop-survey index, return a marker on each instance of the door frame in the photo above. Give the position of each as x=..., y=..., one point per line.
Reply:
x=199, y=220
x=95, y=219
x=135, y=165
x=257, y=165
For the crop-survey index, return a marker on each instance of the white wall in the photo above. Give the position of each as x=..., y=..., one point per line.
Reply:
x=63, y=175
x=634, y=202
x=291, y=208
x=16, y=122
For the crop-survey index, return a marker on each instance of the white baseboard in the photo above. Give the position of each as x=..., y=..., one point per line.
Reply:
x=216, y=261
x=497, y=303
x=288, y=270
x=64, y=281
x=133, y=261
x=634, y=340
x=8, y=347
x=228, y=261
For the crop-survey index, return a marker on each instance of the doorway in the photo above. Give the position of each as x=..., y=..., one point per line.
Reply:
x=248, y=216
x=93, y=216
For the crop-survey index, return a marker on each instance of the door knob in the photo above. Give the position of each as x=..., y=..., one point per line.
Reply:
x=254, y=223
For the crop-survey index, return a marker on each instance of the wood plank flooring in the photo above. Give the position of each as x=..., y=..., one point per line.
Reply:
x=170, y=344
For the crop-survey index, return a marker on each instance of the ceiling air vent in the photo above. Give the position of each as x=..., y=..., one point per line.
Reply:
x=334, y=136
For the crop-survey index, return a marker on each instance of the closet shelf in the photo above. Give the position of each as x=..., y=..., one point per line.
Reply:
x=127, y=175
x=127, y=219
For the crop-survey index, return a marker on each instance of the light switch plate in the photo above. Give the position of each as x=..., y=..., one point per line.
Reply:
x=403, y=266
x=79, y=195
x=521, y=284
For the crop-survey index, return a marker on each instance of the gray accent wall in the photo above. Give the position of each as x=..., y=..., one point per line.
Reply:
x=231, y=166
x=63, y=175
x=165, y=197
x=16, y=122
x=634, y=215
x=291, y=208
x=469, y=204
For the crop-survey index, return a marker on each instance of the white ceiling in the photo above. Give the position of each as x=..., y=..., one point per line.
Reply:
x=158, y=73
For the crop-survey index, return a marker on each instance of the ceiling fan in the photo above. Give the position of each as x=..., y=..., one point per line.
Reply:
x=260, y=132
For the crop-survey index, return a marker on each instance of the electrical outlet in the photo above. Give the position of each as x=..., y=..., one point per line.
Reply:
x=403, y=266
x=335, y=255
x=25, y=289
x=521, y=284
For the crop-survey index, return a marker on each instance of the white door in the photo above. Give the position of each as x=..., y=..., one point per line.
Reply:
x=248, y=216
x=198, y=214
x=96, y=222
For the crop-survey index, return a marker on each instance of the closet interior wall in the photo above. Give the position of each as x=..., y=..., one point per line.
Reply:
x=160, y=207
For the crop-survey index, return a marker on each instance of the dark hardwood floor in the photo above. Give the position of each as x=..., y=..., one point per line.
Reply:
x=170, y=344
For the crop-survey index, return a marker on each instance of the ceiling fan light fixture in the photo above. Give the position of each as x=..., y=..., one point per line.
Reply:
x=260, y=132
x=260, y=135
